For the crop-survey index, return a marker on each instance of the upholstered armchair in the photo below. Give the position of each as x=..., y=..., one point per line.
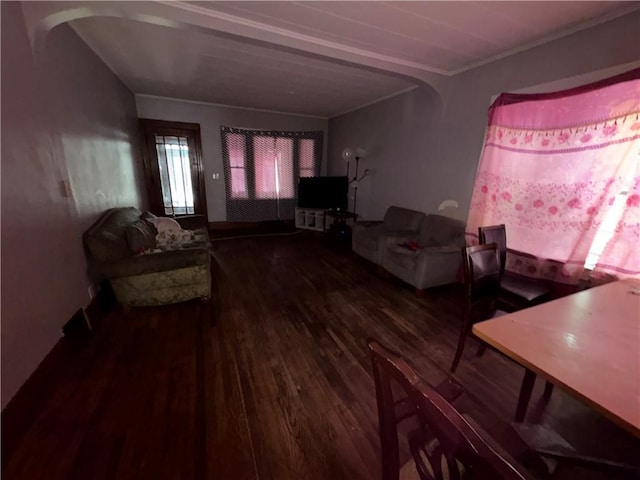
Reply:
x=121, y=248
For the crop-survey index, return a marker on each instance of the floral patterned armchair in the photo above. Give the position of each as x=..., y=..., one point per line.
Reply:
x=121, y=248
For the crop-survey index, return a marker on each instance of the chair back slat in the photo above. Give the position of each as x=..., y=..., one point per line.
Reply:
x=495, y=234
x=443, y=437
x=481, y=270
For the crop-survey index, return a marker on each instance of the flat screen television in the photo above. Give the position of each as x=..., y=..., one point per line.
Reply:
x=323, y=192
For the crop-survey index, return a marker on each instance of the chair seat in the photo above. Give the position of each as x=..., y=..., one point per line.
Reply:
x=529, y=289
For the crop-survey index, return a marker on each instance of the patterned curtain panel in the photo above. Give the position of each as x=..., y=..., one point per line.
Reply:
x=562, y=172
x=262, y=168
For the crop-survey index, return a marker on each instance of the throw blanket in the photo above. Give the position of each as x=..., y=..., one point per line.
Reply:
x=170, y=235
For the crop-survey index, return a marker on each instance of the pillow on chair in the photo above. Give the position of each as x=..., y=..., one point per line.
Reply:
x=170, y=236
x=163, y=224
x=140, y=237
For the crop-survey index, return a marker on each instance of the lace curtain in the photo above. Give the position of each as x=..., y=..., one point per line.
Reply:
x=562, y=172
x=262, y=169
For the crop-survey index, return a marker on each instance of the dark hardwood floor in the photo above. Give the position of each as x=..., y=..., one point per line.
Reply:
x=270, y=379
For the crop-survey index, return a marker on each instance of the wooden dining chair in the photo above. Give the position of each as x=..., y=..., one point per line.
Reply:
x=481, y=268
x=521, y=292
x=444, y=444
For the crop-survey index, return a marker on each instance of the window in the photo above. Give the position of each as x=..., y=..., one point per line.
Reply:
x=307, y=161
x=262, y=169
x=238, y=173
x=607, y=229
x=273, y=167
x=173, y=168
x=561, y=171
x=175, y=174
x=265, y=164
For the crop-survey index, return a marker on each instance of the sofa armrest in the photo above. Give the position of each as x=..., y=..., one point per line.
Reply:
x=367, y=223
x=438, y=266
x=366, y=227
x=156, y=262
x=192, y=222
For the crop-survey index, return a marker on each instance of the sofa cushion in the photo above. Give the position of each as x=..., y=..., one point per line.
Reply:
x=163, y=224
x=106, y=240
x=157, y=262
x=369, y=240
x=146, y=215
x=439, y=230
x=140, y=236
x=398, y=218
x=402, y=257
x=174, y=239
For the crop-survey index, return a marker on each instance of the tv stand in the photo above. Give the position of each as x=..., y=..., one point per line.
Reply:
x=312, y=219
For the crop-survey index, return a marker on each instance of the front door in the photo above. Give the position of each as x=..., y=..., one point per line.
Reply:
x=173, y=168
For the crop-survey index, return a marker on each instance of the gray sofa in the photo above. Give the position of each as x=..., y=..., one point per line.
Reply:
x=438, y=260
x=369, y=238
x=437, y=240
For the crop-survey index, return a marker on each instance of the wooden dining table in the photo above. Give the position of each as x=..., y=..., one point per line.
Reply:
x=587, y=343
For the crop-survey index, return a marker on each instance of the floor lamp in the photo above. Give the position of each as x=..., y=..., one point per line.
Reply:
x=358, y=154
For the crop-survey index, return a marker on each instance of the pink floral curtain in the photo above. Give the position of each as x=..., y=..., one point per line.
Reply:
x=562, y=170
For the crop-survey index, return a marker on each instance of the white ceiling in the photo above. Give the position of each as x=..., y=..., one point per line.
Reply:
x=286, y=64
x=191, y=65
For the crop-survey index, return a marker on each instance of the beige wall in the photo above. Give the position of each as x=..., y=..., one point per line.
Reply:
x=66, y=119
x=211, y=117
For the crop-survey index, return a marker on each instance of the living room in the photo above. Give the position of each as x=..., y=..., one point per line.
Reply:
x=70, y=151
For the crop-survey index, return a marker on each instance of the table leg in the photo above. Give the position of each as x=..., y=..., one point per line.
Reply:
x=548, y=390
x=525, y=394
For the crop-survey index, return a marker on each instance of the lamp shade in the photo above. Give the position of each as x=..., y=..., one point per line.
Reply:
x=348, y=154
x=361, y=153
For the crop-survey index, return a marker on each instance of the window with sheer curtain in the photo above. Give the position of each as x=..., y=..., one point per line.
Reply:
x=262, y=168
x=562, y=172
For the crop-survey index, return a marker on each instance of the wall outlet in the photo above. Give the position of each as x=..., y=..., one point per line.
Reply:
x=93, y=291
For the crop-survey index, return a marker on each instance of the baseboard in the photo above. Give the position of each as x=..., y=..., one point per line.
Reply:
x=246, y=225
x=217, y=226
x=78, y=326
x=19, y=414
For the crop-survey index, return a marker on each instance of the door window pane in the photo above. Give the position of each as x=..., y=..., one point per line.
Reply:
x=175, y=174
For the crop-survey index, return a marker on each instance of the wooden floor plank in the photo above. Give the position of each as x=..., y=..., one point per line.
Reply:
x=270, y=379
